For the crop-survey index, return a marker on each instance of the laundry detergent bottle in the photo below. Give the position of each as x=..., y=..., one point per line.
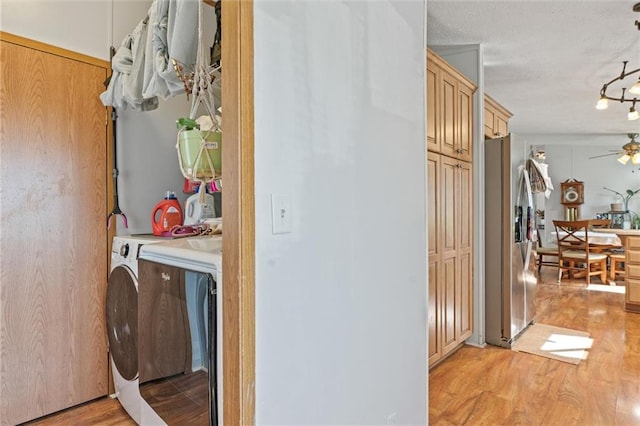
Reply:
x=166, y=214
x=197, y=212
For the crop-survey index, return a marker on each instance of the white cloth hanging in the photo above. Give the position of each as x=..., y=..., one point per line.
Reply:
x=142, y=66
x=127, y=80
x=132, y=83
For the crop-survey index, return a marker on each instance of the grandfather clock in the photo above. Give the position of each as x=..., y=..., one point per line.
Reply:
x=571, y=196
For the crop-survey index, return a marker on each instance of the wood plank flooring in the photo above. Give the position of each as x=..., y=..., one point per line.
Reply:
x=497, y=386
x=104, y=411
x=179, y=400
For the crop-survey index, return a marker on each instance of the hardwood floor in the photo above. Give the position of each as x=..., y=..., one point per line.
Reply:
x=497, y=386
x=104, y=411
x=180, y=400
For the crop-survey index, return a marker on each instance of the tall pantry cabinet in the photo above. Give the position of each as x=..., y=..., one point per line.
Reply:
x=450, y=206
x=54, y=158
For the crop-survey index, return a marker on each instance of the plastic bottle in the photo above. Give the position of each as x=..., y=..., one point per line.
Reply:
x=166, y=214
x=194, y=212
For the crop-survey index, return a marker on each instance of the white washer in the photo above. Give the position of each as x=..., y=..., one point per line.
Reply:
x=122, y=325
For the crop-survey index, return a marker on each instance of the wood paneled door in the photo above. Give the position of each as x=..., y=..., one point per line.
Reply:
x=54, y=151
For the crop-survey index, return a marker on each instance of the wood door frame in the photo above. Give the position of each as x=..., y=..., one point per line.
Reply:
x=238, y=210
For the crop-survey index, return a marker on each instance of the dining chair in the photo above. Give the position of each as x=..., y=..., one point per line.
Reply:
x=616, y=265
x=544, y=251
x=575, y=255
x=599, y=223
x=611, y=251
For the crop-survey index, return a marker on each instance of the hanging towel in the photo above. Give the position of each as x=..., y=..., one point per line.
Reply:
x=544, y=169
x=143, y=65
x=537, y=180
x=120, y=65
x=126, y=83
x=174, y=36
x=132, y=83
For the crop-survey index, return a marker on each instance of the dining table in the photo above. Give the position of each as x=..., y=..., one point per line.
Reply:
x=602, y=237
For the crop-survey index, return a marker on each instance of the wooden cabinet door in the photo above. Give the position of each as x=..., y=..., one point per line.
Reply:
x=501, y=125
x=496, y=119
x=54, y=241
x=435, y=259
x=489, y=119
x=433, y=141
x=464, y=148
x=448, y=114
x=632, y=274
x=449, y=175
x=464, y=304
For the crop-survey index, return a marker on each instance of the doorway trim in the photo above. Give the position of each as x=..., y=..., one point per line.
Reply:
x=238, y=210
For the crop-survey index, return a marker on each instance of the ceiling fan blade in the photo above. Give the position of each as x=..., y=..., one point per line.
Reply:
x=606, y=155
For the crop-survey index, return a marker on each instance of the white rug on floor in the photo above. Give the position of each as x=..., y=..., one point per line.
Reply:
x=562, y=344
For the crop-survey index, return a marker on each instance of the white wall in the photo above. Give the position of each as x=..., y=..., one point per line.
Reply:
x=341, y=310
x=147, y=159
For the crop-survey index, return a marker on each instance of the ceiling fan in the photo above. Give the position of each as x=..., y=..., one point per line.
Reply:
x=630, y=151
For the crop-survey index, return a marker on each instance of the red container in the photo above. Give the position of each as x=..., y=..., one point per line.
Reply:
x=166, y=214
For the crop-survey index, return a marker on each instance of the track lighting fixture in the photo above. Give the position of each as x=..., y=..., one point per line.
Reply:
x=625, y=96
x=603, y=102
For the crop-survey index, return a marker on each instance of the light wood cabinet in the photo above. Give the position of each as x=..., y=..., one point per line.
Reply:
x=449, y=109
x=433, y=142
x=54, y=246
x=450, y=207
x=496, y=119
x=450, y=254
x=632, y=274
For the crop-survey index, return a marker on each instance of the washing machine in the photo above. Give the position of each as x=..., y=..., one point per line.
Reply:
x=122, y=325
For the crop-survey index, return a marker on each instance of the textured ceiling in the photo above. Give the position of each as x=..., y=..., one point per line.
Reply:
x=546, y=61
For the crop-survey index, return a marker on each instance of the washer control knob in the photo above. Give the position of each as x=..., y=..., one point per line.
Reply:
x=124, y=250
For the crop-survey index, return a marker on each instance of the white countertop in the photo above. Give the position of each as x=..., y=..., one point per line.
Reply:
x=201, y=254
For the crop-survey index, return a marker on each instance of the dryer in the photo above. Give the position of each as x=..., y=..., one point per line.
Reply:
x=122, y=325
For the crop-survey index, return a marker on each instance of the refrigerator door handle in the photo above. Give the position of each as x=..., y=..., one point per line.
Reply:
x=530, y=235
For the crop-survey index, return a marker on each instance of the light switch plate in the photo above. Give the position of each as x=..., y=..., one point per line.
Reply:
x=280, y=213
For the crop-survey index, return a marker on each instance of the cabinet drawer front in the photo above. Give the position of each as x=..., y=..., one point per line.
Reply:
x=633, y=243
x=633, y=257
x=632, y=271
x=633, y=291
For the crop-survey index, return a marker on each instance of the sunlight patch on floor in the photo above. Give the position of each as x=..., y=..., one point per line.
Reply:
x=568, y=346
x=606, y=288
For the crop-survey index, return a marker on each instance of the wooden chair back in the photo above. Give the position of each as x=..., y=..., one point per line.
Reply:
x=599, y=223
x=572, y=235
x=542, y=252
x=575, y=253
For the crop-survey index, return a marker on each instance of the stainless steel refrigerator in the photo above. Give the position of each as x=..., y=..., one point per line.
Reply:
x=510, y=242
